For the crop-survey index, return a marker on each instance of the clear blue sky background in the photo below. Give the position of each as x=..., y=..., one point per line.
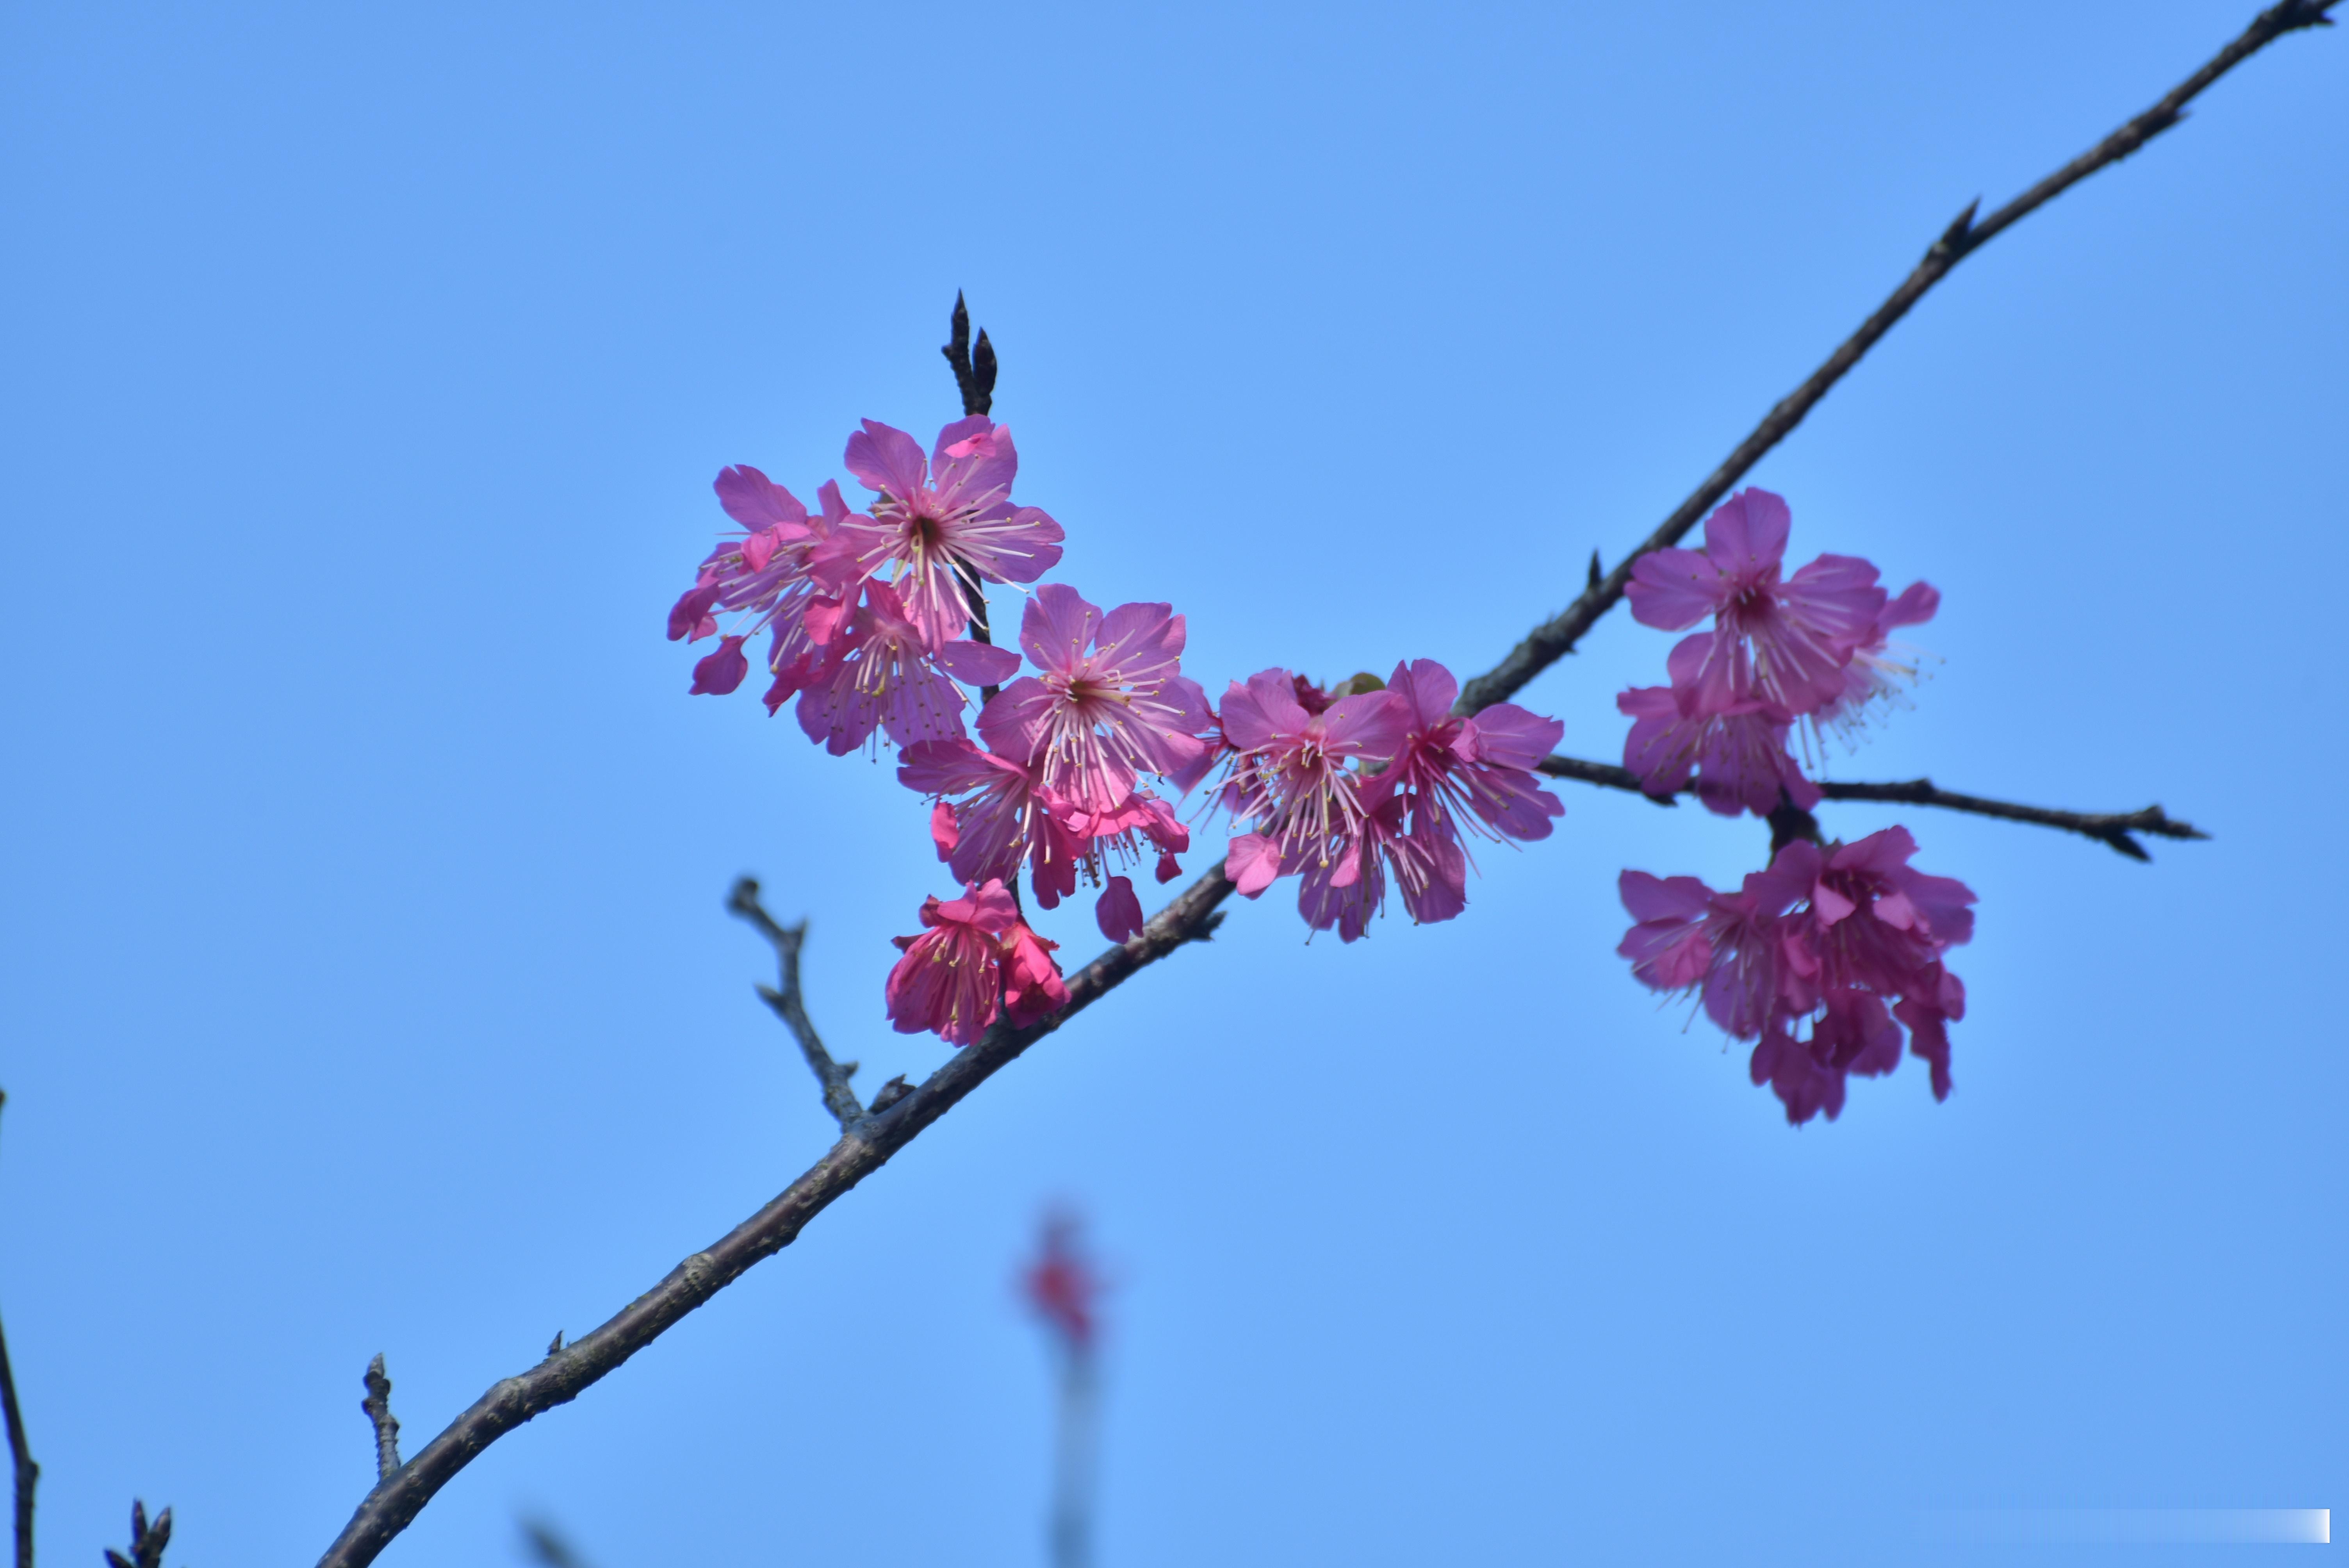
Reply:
x=367, y=986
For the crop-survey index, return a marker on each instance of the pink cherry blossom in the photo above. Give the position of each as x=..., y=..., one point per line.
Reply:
x=765, y=579
x=1738, y=756
x=945, y=518
x=1111, y=704
x=1296, y=773
x=1846, y=941
x=1032, y=987
x=950, y=980
x=1783, y=642
x=1473, y=772
x=1880, y=668
x=1064, y=1286
x=1007, y=816
x=878, y=671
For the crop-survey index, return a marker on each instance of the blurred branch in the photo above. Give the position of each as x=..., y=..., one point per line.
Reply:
x=147, y=1541
x=866, y=1144
x=27, y=1473
x=2110, y=828
x=1555, y=638
x=377, y=1406
x=547, y=1545
x=838, y=1098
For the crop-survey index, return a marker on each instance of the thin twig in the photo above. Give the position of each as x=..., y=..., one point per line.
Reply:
x=2112, y=828
x=377, y=1406
x=27, y=1473
x=548, y=1546
x=396, y=1500
x=974, y=368
x=1192, y=916
x=838, y=1098
x=1555, y=638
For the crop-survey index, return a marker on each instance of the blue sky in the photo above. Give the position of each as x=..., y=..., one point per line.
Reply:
x=367, y=986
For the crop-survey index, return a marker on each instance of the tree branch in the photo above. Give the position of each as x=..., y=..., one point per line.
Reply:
x=862, y=1150
x=377, y=1406
x=838, y=1098
x=27, y=1474
x=1555, y=638
x=1192, y=916
x=2111, y=828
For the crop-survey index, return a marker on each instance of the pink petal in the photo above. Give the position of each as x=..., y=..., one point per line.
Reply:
x=887, y=459
x=978, y=664
x=1118, y=911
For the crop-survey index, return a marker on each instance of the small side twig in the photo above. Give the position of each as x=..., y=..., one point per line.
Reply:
x=147, y=1541
x=2109, y=827
x=838, y=1098
x=974, y=366
x=27, y=1473
x=548, y=1546
x=377, y=1406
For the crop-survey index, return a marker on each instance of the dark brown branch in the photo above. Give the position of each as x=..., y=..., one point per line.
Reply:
x=974, y=368
x=147, y=1541
x=838, y=1098
x=27, y=1475
x=2112, y=828
x=377, y=1406
x=1555, y=638
x=862, y=1150
x=1192, y=916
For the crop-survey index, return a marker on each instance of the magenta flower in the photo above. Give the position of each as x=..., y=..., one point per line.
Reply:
x=1881, y=669
x=880, y=672
x=1295, y=773
x=1738, y=756
x=1849, y=940
x=1482, y=766
x=766, y=579
x=1111, y=703
x=949, y=981
x=1032, y=987
x=945, y=518
x=1001, y=817
x=1781, y=642
x=1729, y=945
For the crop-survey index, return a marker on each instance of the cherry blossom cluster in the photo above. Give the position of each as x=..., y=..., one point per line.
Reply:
x=1821, y=957
x=875, y=622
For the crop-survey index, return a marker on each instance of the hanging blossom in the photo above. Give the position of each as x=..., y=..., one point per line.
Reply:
x=1881, y=669
x=1784, y=643
x=1111, y=703
x=1064, y=1286
x=1847, y=940
x=766, y=579
x=1448, y=774
x=977, y=961
x=946, y=522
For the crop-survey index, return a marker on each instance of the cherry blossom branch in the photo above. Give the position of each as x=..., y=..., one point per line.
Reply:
x=2110, y=828
x=867, y=1144
x=1555, y=638
x=838, y=1098
x=27, y=1475
x=862, y=1149
x=377, y=1406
